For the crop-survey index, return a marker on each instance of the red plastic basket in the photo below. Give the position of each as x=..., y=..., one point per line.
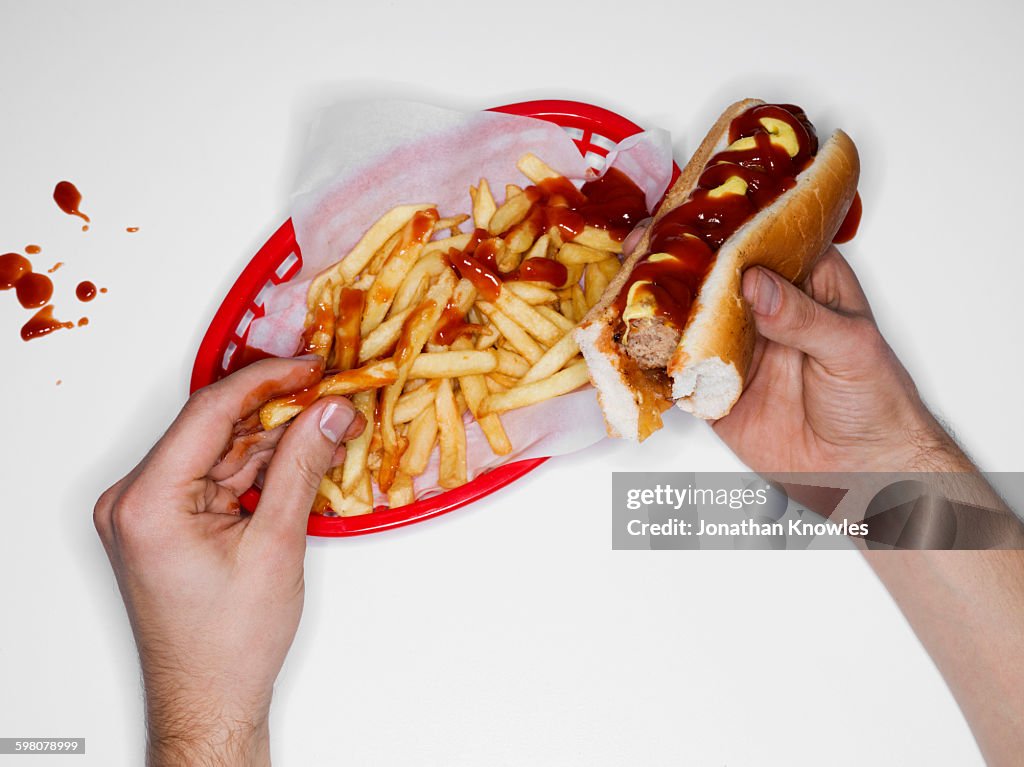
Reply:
x=593, y=129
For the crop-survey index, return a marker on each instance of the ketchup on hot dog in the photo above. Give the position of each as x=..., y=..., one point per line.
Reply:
x=770, y=145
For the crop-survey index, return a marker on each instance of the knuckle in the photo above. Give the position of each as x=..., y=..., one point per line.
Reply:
x=101, y=520
x=128, y=518
x=200, y=400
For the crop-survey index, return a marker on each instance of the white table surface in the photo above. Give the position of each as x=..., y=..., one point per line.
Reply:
x=507, y=633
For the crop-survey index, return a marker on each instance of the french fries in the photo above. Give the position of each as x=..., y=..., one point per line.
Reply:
x=451, y=438
x=422, y=348
x=570, y=379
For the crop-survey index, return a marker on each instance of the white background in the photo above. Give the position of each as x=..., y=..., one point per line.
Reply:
x=507, y=633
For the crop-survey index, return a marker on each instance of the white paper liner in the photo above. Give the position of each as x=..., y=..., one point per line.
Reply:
x=363, y=159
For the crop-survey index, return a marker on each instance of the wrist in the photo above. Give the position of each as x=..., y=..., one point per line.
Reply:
x=198, y=730
x=928, y=447
x=220, y=744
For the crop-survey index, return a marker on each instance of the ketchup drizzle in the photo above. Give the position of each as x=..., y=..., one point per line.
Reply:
x=692, y=233
x=612, y=202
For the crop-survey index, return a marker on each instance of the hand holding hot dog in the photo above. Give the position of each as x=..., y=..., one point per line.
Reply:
x=214, y=598
x=826, y=393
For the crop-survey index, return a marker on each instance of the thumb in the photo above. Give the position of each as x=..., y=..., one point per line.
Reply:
x=787, y=315
x=301, y=459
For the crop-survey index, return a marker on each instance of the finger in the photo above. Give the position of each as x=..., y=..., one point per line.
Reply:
x=787, y=315
x=247, y=473
x=833, y=284
x=302, y=457
x=633, y=238
x=201, y=432
x=242, y=449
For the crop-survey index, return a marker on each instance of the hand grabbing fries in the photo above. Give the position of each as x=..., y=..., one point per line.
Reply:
x=427, y=324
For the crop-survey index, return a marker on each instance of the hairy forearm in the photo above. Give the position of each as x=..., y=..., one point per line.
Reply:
x=967, y=608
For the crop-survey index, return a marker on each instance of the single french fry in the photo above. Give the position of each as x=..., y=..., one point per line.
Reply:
x=505, y=380
x=357, y=450
x=422, y=435
x=527, y=317
x=494, y=433
x=598, y=239
x=557, y=319
x=346, y=328
x=574, y=253
x=364, y=489
x=575, y=274
x=483, y=205
x=318, y=335
x=555, y=235
x=457, y=241
x=429, y=266
x=382, y=254
x=449, y=221
x=506, y=258
x=451, y=437
x=567, y=380
x=522, y=236
x=414, y=402
x=451, y=364
x=401, y=491
x=594, y=284
x=406, y=252
x=511, y=364
x=516, y=336
x=532, y=293
x=511, y=190
x=609, y=268
x=383, y=337
x=535, y=168
x=488, y=337
x=539, y=249
x=554, y=359
x=372, y=376
x=567, y=307
x=511, y=212
x=579, y=302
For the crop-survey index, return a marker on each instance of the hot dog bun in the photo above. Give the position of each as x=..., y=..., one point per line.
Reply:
x=707, y=371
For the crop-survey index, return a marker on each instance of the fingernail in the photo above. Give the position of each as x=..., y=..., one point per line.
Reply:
x=334, y=421
x=763, y=294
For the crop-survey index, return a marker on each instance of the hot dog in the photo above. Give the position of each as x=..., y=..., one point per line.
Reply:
x=673, y=325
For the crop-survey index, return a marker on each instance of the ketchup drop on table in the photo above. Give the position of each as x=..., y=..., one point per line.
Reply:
x=34, y=290
x=42, y=323
x=68, y=198
x=86, y=291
